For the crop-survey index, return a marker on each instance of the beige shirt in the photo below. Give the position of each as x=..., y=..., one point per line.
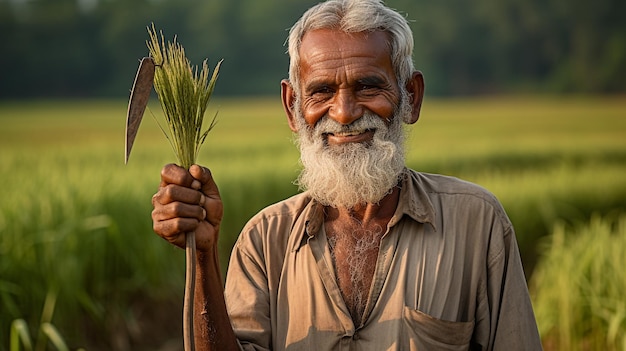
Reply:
x=448, y=277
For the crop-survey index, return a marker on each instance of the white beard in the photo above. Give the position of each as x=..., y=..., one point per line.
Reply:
x=355, y=173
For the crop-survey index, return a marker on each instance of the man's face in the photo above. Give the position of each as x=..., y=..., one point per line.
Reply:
x=342, y=75
x=349, y=117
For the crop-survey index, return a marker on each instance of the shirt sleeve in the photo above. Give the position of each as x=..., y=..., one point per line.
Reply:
x=512, y=321
x=247, y=295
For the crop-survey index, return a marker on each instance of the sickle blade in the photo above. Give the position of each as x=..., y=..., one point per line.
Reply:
x=139, y=96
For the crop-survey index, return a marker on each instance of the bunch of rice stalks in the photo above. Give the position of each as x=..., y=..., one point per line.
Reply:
x=184, y=94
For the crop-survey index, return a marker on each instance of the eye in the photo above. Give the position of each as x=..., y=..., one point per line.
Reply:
x=370, y=84
x=368, y=89
x=321, y=92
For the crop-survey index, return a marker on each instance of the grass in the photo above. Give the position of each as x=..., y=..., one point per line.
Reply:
x=21, y=336
x=587, y=263
x=73, y=216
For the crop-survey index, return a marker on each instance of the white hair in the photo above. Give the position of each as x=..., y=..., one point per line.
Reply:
x=353, y=16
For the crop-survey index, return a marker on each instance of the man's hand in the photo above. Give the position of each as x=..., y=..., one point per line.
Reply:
x=187, y=201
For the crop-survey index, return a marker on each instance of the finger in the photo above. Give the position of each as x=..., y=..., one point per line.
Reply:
x=172, y=220
x=174, y=174
x=175, y=193
x=196, y=185
x=178, y=210
x=212, y=202
x=174, y=230
x=214, y=211
x=203, y=174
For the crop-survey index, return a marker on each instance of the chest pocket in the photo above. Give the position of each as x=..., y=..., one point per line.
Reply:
x=423, y=332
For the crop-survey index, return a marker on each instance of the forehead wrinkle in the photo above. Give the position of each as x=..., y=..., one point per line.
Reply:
x=326, y=42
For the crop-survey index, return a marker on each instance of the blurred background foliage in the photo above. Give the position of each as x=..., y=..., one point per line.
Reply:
x=74, y=219
x=87, y=48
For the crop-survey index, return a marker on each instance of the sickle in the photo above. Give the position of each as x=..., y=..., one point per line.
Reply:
x=139, y=96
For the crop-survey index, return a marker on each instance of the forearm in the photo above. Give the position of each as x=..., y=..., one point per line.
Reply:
x=212, y=327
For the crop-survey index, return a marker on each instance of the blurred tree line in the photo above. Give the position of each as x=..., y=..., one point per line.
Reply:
x=91, y=48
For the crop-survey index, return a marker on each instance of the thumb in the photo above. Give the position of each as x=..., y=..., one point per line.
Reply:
x=204, y=176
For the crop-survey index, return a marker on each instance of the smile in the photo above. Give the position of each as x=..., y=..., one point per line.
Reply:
x=354, y=136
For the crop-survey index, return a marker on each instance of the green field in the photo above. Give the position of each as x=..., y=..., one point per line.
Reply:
x=75, y=219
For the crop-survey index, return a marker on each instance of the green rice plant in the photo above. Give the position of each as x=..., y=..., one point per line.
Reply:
x=87, y=230
x=578, y=287
x=20, y=334
x=184, y=94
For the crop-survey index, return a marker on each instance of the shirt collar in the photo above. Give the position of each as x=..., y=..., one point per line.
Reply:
x=414, y=202
x=308, y=224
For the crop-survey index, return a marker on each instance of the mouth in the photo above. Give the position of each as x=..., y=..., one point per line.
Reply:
x=353, y=136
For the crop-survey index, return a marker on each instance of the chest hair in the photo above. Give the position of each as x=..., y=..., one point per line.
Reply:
x=354, y=249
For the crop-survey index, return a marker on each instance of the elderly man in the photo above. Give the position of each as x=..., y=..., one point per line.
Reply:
x=372, y=255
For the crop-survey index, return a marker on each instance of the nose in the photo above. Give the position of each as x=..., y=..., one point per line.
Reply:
x=345, y=109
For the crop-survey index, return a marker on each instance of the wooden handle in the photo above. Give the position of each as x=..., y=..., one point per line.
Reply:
x=190, y=283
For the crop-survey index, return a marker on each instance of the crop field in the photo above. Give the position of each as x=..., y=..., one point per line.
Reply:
x=75, y=220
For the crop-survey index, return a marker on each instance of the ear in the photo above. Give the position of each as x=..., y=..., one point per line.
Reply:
x=415, y=87
x=288, y=98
